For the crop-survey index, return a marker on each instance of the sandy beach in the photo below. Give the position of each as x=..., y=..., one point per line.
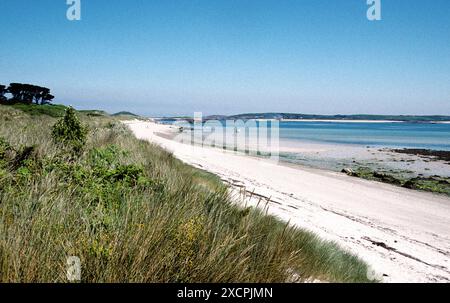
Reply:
x=403, y=234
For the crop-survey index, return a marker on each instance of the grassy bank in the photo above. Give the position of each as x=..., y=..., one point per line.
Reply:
x=133, y=213
x=51, y=110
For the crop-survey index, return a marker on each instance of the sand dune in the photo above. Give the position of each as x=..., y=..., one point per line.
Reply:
x=403, y=234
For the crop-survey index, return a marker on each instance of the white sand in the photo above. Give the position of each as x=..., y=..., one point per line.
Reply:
x=414, y=227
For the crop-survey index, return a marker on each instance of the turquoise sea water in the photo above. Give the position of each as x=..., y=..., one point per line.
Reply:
x=397, y=135
x=434, y=136
x=338, y=145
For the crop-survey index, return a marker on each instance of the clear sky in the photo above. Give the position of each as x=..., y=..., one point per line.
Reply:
x=172, y=57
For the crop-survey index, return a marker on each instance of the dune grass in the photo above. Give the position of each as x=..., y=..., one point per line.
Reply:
x=51, y=110
x=133, y=213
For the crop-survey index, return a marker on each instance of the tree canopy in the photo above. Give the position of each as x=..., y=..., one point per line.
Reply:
x=25, y=93
x=2, y=93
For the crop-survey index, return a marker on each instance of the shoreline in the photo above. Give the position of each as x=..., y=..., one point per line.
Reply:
x=341, y=121
x=402, y=234
x=313, y=120
x=363, y=121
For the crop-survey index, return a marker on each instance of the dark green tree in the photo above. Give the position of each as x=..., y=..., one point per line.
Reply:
x=47, y=98
x=27, y=93
x=36, y=92
x=3, y=91
x=41, y=95
x=15, y=89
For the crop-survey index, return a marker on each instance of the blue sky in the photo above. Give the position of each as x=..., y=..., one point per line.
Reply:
x=231, y=56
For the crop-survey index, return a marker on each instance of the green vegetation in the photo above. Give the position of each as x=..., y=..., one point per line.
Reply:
x=435, y=184
x=443, y=155
x=68, y=132
x=133, y=213
x=124, y=113
x=3, y=91
x=32, y=99
x=54, y=111
x=25, y=94
x=94, y=113
x=432, y=184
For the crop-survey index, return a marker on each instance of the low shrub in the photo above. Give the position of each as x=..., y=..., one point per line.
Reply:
x=69, y=131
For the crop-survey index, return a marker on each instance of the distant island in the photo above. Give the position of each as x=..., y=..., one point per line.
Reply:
x=124, y=113
x=293, y=116
x=299, y=116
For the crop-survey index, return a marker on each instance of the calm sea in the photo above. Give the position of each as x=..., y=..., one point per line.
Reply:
x=383, y=134
x=408, y=135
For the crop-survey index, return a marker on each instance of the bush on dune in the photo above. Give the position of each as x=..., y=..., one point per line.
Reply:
x=69, y=132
